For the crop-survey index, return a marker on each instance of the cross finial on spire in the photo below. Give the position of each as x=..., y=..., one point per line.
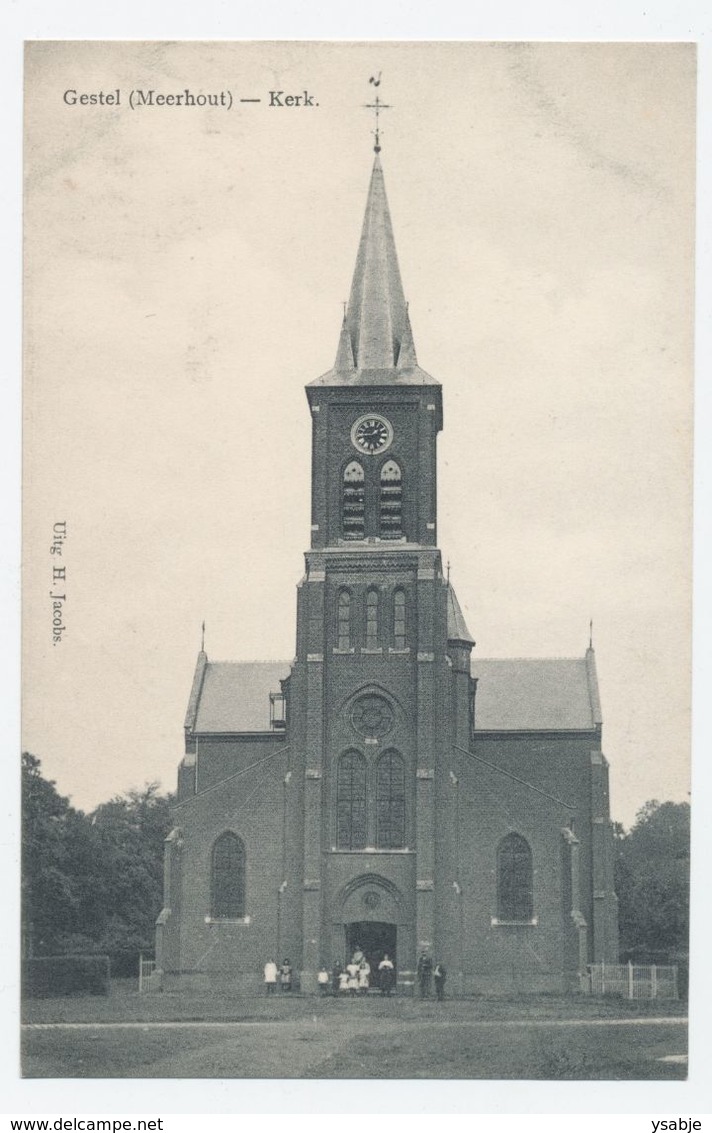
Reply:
x=202, y=639
x=376, y=106
x=448, y=572
x=590, y=633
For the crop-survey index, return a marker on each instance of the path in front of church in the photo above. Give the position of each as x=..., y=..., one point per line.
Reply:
x=369, y=1039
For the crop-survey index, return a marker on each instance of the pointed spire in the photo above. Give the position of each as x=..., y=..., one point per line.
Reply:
x=345, y=354
x=456, y=625
x=376, y=317
x=406, y=355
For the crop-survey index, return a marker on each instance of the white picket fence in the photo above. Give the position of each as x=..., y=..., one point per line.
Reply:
x=149, y=978
x=633, y=981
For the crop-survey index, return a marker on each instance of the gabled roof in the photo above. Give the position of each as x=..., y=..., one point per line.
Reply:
x=536, y=694
x=532, y=694
x=235, y=695
x=376, y=342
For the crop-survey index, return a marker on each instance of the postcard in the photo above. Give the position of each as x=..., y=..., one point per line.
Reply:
x=357, y=559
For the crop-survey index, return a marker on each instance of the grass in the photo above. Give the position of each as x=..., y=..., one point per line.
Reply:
x=538, y=1037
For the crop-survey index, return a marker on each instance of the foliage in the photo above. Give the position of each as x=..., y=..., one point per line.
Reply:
x=131, y=830
x=653, y=882
x=59, y=854
x=65, y=975
x=90, y=883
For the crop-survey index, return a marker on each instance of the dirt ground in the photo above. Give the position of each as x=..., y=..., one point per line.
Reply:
x=173, y=1036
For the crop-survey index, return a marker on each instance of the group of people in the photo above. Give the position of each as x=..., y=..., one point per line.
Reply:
x=356, y=977
x=429, y=973
x=281, y=975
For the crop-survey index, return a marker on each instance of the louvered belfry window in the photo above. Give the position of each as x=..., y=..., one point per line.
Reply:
x=353, y=514
x=391, y=502
x=228, y=878
x=515, y=880
x=351, y=802
x=390, y=802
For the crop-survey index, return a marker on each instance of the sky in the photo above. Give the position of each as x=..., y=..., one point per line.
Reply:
x=185, y=270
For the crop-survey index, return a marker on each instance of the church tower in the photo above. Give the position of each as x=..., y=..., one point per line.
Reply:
x=370, y=688
x=386, y=792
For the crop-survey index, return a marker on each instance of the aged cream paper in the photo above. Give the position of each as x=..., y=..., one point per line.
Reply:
x=192, y=217
x=184, y=272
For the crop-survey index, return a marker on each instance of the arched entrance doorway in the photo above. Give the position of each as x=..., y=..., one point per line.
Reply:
x=372, y=915
x=376, y=939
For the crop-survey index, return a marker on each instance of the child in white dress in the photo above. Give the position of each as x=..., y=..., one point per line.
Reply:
x=352, y=970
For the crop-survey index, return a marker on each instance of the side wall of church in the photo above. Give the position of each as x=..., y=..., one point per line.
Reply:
x=489, y=806
x=202, y=950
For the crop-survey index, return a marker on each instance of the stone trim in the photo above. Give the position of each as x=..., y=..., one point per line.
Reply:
x=228, y=920
x=425, y=773
x=496, y=923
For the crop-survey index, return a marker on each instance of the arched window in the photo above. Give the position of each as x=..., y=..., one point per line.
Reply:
x=399, y=619
x=352, y=502
x=390, y=802
x=351, y=802
x=515, y=880
x=227, y=878
x=391, y=504
x=343, y=621
x=372, y=619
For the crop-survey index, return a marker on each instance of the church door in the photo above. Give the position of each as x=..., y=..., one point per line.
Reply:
x=376, y=939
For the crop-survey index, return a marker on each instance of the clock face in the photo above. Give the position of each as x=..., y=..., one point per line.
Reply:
x=371, y=434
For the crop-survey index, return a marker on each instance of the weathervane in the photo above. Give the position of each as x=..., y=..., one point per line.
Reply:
x=376, y=106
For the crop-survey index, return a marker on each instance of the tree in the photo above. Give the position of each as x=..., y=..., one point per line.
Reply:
x=653, y=882
x=90, y=883
x=58, y=852
x=131, y=830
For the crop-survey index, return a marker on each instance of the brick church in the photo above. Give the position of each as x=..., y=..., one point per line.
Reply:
x=386, y=789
